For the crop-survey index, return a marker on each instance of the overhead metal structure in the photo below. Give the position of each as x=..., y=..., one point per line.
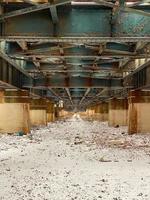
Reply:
x=77, y=51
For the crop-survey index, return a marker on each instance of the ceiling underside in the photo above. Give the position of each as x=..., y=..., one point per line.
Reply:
x=76, y=51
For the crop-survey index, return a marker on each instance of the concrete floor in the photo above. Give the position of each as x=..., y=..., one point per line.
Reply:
x=75, y=159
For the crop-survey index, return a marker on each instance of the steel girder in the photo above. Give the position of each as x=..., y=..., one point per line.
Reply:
x=74, y=48
x=41, y=24
x=93, y=21
x=10, y=75
x=139, y=79
x=75, y=82
x=63, y=45
x=77, y=40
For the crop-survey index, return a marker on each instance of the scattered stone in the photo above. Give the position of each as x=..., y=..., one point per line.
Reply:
x=129, y=160
x=140, y=194
x=104, y=160
x=103, y=180
x=41, y=174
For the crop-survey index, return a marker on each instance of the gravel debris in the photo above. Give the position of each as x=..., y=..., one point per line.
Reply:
x=75, y=159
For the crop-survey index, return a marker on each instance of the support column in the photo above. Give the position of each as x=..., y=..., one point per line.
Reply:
x=64, y=114
x=96, y=113
x=14, y=111
x=139, y=112
x=50, y=112
x=38, y=112
x=92, y=112
x=118, y=112
x=101, y=111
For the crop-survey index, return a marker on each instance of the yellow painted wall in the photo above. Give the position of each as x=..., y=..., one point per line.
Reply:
x=38, y=117
x=139, y=118
x=14, y=117
x=101, y=116
x=118, y=117
x=50, y=117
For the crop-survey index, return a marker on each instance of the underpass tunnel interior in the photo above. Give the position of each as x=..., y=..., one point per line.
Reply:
x=74, y=99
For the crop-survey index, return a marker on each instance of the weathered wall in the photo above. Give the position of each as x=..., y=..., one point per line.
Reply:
x=38, y=117
x=118, y=112
x=139, y=118
x=139, y=112
x=101, y=117
x=118, y=117
x=101, y=112
x=14, y=117
x=50, y=117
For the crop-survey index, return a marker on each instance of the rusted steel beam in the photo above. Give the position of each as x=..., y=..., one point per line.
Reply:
x=34, y=8
x=77, y=40
x=139, y=78
x=75, y=82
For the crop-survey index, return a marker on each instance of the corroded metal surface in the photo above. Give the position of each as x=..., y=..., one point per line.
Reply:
x=58, y=46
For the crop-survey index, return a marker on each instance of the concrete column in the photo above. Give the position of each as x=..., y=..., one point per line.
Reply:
x=92, y=112
x=118, y=112
x=96, y=112
x=57, y=112
x=14, y=111
x=2, y=97
x=101, y=111
x=50, y=117
x=139, y=112
x=38, y=112
x=61, y=113
x=50, y=112
x=64, y=114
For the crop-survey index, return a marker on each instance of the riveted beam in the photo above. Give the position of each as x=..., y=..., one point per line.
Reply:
x=139, y=12
x=127, y=22
x=75, y=82
x=34, y=8
x=12, y=75
x=139, y=79
x=78, y=40
x=55, y=94
x=104, y=3
x=93, y=57
x=53, y=11
x=69, y=95
x=86, y=93
x=12, y=62
x=23, y=45
x=68, y=23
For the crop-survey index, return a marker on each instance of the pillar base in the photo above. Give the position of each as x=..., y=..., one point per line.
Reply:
x=118, y=112
x=139, y=112
x=50, y=117
x=101, y=112
x=102, y=117
x=14, y=117
x=38, y=117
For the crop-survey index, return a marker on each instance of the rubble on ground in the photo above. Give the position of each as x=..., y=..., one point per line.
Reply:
x=75, y=159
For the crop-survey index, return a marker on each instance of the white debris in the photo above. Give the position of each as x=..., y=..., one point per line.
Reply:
x=75, y=160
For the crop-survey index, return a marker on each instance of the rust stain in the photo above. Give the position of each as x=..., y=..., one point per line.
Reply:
x=26, y=118
x=133, y=119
